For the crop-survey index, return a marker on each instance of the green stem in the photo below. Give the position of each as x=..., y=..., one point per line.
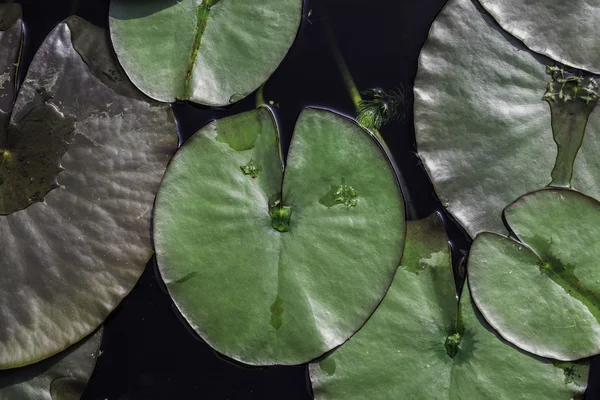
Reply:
x=260, y=96
x=357, y=99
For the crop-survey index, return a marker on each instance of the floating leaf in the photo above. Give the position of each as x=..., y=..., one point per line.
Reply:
x=562, y=30
x=483, y=129
x=415, y=346
x=542, y=292
x=212, y=52
x=279, y=277
x=11, y=37
x=83, y=157
x=61, y=377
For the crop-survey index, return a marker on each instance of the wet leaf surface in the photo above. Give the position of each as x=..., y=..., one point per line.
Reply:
x=82, y=163
x=415, y=346
x=541, y=289
x=562, y=30
x=484, y=130
x=212, y=52
x=264, y=271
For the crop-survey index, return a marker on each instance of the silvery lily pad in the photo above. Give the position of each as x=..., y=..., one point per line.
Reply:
x=82, y=158
x=484, y=127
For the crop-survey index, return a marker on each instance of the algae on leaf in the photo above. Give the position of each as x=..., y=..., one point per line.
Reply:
x=421, y=344
x=540, y=290
x=82, y=157
x=483, y=130
x=285, y=268
x=212, y=52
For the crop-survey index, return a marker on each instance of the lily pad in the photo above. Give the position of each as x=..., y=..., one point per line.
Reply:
x=415, y=346
x=562, y=30
x=483, y=124
x=279, y=273
x=61, y=377
x=542, y=292
x=83, y=159
x=212, y=52
x=11, y=39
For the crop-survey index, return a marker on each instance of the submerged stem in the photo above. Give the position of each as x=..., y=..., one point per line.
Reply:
x=357, y=100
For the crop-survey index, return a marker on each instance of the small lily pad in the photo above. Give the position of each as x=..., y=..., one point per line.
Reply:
x=562, y=30
x=420, y=344
x=484, y=127
x=279, y=277
x=63, y=376
x=541, y=290
x=81, y=160
x=212, y=52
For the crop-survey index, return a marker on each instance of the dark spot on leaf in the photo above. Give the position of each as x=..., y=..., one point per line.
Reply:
x=277, y=313
x=186, y=278
x=30, y=157
x=574, y=373
x=328, y=366
x=67, y=389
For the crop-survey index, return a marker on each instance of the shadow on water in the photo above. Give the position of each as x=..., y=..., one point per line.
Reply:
x=148, y=353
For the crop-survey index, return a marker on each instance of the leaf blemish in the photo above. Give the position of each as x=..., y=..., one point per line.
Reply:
x=187, y=277
x=340, y=194
x=277, y=313
x=328, y=366
x=251, y=169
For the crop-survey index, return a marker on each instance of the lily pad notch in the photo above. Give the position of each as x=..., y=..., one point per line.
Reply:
x=285, y=267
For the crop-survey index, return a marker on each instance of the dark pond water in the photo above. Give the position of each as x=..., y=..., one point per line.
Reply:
x=148, y=352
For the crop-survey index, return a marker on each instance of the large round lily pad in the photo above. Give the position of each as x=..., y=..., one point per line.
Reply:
x=83, y=158
x=562, y=30
x=63, y=376
x=273, y=270
x=483, y=123
x=542, y=293
x=212, y=52
x=416, y=347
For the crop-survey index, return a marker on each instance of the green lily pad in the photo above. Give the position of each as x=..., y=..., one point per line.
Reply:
x=416, y=347
x=271, y=273
x=212, y=52
x=562, y=30
x=61, y=377
x=82, y=161
x=484, y=127
x=542, y=292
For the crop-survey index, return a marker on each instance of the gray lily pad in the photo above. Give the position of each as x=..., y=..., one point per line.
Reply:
x=11, y=38
x=415, y=346
x=212, y=52
x=279, y=273
x=483, y=124
x=562, y=30
x=542, y=292
x=83, y=159
x=61, y=377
